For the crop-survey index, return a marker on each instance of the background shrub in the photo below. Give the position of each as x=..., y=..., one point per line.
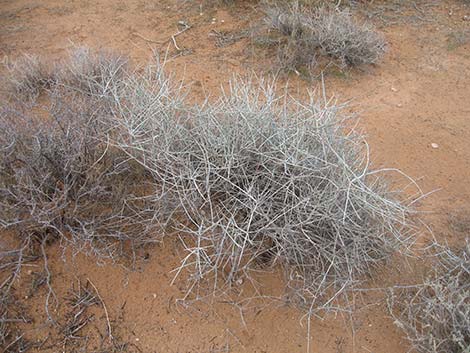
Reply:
x=331, y=32
x=436, y=315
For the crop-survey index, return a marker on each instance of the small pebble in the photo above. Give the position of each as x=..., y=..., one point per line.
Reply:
x=434, y=145
x=154, y=295
x=394, y=89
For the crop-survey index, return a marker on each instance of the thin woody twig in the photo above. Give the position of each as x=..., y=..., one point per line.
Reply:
x=104, y=308
x=172, y=38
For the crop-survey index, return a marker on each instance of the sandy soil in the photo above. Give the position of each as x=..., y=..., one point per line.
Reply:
x=417, y=96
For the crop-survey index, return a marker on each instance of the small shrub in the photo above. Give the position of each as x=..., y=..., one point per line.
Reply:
x=458, y=39
x=26, y=77
x=59, y=173
x=436, y=315
x=331, y=32
x=92, y=72
x=341, y=37
x=293, y=55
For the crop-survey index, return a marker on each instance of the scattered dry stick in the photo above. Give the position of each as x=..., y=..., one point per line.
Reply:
x=104, y=308
x=185, y=28
x=48, y=282
x=172, y=38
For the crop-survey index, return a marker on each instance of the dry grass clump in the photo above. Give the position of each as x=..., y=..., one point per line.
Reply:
x=436, y=315
x=330, y=32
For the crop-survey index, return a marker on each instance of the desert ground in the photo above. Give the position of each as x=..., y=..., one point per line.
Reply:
x=414, y=108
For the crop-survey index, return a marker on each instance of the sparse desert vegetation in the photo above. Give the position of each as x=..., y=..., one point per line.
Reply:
x=26, y=76
x=435, y=315
x=195, y=192
x=252, y=179
x=252, y=175
x=327, y=31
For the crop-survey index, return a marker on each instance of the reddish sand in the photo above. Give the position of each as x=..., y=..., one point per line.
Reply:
x=417, y=96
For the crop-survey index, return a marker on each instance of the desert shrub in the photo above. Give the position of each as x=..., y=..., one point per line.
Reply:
x=436, y=315
x=293, y=55
x=25, y=78
x=330, y=32
x=260, y=178
x=458, y=38
x=341, y=37
x=251, y=179
x=84, y=71
x=60, y=175
x=92, y=72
